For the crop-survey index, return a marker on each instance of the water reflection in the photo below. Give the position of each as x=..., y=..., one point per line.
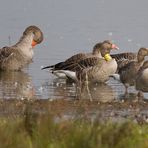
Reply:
x=15, y=85
x=18, y=85
x=100, y=92
x=128, y=97
x=58, y=89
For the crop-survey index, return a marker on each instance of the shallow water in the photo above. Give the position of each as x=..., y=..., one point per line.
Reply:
x=69, y=27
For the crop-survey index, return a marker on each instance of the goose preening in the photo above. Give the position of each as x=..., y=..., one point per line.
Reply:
x=19, y=55
x=128, y=73
x=142, y=79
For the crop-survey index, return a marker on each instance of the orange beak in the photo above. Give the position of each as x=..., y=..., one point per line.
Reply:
x=33, y=43
x=115, y=47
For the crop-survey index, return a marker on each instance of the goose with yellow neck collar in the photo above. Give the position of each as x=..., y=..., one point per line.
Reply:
x=97, y=69
x=68, y=68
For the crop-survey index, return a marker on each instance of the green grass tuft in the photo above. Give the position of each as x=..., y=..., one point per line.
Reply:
x=36, y=131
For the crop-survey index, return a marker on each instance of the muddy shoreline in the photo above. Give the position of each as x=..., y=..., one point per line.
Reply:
x=63, y=109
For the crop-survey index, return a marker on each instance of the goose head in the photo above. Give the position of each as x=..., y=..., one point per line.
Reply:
x=144, y=66
x=96, y=48
x=107, y=44
x=37, y=34
x=106, y=48
x=141, y=54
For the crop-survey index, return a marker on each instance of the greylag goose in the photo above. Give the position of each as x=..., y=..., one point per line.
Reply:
x=95, y=69
x=66, y=65
x=64, y=69
x=142, y=79
x=19, y=55
x=67, y=68
x=121, y=58
x=127, y=73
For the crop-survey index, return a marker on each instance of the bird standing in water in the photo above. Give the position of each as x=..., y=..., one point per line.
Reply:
x=128, y=73
x=16, y=57
x=142, y=79
x=95, y=69
x=68, y=68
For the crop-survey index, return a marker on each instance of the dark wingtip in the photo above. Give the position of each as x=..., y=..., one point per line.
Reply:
x=46, y=67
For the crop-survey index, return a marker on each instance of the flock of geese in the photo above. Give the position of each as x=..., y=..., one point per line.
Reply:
x=96, y=67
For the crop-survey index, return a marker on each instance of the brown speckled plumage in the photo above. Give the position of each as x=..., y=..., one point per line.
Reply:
x=142, y=78
x=71, y=62
x=124, y=58
x=96, y=69
x=129, y=71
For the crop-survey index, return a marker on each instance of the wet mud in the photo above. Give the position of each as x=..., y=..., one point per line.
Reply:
x=65, y=109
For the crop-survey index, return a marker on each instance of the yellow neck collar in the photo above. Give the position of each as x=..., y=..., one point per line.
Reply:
x=107, y=57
